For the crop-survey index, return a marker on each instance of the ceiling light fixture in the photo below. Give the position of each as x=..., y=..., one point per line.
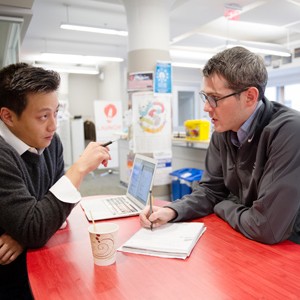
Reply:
x=267, y=51
x=187, y=65
x=69, y=69
x=93, y=29
x=191, y=54
x=76, y=59
x=11, y=19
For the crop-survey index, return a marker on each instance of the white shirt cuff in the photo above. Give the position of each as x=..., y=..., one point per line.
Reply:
x=65, y=191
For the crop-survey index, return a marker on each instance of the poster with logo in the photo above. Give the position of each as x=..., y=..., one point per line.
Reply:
x=163, y=77
x=108, y=122
x=151, y=115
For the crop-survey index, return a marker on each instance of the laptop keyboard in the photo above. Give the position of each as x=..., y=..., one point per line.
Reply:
x=119, y=205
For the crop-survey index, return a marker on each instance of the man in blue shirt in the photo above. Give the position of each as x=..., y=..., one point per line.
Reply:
x=252, y=167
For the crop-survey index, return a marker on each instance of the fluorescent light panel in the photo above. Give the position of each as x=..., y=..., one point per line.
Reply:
x=93, y=29
x=78, y=64
x=76, y=59
x=11, y=19
x=263, y=50
x=186, y=65
x=178, y=53
x=69, y=69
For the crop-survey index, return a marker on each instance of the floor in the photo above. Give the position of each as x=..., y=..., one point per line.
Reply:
x=102, y=182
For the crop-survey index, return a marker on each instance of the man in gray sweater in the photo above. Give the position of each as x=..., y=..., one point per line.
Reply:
x=252, y=167
x=36, y=196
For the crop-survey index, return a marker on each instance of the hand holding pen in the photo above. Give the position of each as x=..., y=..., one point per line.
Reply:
x=156, y=216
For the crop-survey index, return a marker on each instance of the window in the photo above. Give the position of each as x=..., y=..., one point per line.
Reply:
x=271, y=93
x=291, y=96
x=186, y=106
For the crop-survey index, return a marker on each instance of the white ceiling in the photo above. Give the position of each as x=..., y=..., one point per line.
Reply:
x=194, y=24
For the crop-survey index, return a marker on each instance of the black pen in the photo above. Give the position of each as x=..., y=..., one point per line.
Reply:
x=151, y=206
x=108, y=143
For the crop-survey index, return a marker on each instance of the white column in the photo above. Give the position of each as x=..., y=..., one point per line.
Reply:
x=148, y=33
x=148, y=42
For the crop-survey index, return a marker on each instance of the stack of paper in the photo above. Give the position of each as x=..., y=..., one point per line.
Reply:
x=172, y=240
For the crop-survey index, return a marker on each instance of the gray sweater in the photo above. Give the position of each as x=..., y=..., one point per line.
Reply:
x=28, y=211
x=255, y=188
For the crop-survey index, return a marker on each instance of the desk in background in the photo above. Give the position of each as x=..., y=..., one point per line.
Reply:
x=223, y=265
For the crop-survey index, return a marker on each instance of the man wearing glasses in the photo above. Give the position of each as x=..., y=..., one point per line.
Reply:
x=252, y=167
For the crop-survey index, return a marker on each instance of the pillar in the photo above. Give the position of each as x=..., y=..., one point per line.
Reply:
x=148, y=42
x=148, y=33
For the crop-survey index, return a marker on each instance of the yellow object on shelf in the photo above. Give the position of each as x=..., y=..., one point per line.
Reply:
x=197, y=130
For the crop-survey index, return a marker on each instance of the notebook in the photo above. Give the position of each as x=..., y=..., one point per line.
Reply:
x=136, y=198
x=171, y=240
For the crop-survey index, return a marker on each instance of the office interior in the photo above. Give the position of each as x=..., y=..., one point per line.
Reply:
x=195, y=30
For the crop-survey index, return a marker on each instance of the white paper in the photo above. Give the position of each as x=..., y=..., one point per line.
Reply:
x=172, y=240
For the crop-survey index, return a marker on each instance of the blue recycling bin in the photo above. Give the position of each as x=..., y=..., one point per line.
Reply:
x=182, y=181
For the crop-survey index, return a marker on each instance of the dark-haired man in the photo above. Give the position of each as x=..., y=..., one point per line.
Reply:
x=36, y=196
x=252, y=166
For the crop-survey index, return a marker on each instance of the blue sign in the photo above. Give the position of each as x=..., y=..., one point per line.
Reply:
x=163, y=78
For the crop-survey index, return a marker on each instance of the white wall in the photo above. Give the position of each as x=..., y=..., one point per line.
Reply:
x=84, y=89
x=113, y=85
x=187, y=77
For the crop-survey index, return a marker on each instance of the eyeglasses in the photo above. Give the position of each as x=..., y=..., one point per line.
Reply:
x=212, y=101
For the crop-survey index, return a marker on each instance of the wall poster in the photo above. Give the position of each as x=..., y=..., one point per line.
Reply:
x=151, y=115
x=163, y=77
x=108, y=122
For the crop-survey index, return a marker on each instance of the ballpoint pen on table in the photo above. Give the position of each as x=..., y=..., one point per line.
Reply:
x=151, y=206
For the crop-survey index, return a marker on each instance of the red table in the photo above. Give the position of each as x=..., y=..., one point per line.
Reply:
x=223, y=265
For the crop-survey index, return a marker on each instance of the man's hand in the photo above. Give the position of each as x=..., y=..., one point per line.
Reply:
x=93, y=155
x=160, y=216
x=10, y=249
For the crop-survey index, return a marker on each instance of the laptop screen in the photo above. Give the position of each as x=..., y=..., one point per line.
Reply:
x=141, y=179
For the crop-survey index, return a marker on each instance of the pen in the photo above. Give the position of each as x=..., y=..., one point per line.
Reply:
x=108, y=143
x=151, y=207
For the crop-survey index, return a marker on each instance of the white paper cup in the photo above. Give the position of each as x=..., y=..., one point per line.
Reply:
x=103, y=238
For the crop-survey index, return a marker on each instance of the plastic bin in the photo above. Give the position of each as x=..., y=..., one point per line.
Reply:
x=197, y=130
x=182, y=181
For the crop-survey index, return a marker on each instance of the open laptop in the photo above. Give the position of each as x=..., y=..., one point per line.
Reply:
x=136, y=198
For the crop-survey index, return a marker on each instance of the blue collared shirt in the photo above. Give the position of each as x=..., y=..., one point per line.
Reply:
x=241, y=135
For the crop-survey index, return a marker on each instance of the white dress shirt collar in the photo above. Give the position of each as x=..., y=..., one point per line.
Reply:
x=15, y=142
